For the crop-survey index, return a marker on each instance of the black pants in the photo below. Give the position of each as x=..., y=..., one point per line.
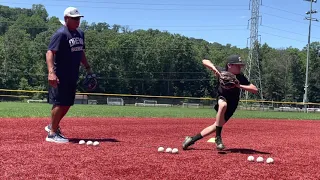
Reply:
x=232, y=105
x=63, y=94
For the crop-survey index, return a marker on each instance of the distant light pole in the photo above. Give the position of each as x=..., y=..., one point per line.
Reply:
x=305, y=97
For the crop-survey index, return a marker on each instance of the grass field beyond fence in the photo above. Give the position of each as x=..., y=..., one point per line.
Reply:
x=14, y=109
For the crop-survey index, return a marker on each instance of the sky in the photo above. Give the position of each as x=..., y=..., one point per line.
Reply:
x=282, y=23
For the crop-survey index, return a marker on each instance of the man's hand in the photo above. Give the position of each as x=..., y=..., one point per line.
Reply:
x=89, y=70
x=209, y=64
x=53, y=79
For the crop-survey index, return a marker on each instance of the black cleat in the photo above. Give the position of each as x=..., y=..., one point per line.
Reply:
x=187, y=142
x=219, y=143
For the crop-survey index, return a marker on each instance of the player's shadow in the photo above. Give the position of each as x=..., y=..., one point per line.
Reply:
x=76, y=140
x=242, y=151
x=198, y=149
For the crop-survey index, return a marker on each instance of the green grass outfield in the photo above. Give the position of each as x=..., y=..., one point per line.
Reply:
x=14, y=109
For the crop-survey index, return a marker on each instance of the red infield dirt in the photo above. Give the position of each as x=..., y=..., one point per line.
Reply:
x=128, y=149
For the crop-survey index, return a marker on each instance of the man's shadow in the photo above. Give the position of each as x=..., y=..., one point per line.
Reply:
x=76, y=140
x=241, y=151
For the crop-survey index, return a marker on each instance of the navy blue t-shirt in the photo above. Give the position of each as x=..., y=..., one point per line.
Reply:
x=69, y=46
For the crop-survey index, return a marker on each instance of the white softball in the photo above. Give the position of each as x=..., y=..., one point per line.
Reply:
x=89, y=143
x=269, y=160
x=175, y=150
x=96, y=143
x=168, y=150
x=260, y=159
x=250, y=158
x=160, y=149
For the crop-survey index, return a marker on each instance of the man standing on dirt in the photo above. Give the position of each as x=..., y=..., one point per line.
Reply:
x=64, y=55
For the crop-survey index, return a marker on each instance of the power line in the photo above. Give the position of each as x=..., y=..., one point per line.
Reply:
x=157, y=4
x=171, y=30
x=168, y=4
x=288, y=19
x=207, y=30
x=288, y=31
x=283, y=30
x=150, y=4
x=42, y=27
x=298, y=14
x=284, y=18
x=202, y=26
x=135, y=48
x=218, y=25
x=282, y=36
x=135, y=8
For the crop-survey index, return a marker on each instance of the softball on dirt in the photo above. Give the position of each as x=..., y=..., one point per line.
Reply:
x=96, y=143
x=175, y=150
x=89, y=143
x=168, y=150
x=250, y=158
x=269, y=160
x=82, y=142
x=160, y=149
x=260, y=159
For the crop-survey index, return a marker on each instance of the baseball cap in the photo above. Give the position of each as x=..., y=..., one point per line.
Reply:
x=72, y=12
x=235, y=59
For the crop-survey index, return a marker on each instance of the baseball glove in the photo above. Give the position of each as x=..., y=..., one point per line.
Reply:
x=228, y=80
x=90, y=82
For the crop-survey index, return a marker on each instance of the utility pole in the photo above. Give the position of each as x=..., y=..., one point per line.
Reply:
x=253, y=65
x=305, y=97
x=5, y=61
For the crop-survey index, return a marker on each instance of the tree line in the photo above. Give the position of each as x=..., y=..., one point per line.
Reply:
x=145, y=62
